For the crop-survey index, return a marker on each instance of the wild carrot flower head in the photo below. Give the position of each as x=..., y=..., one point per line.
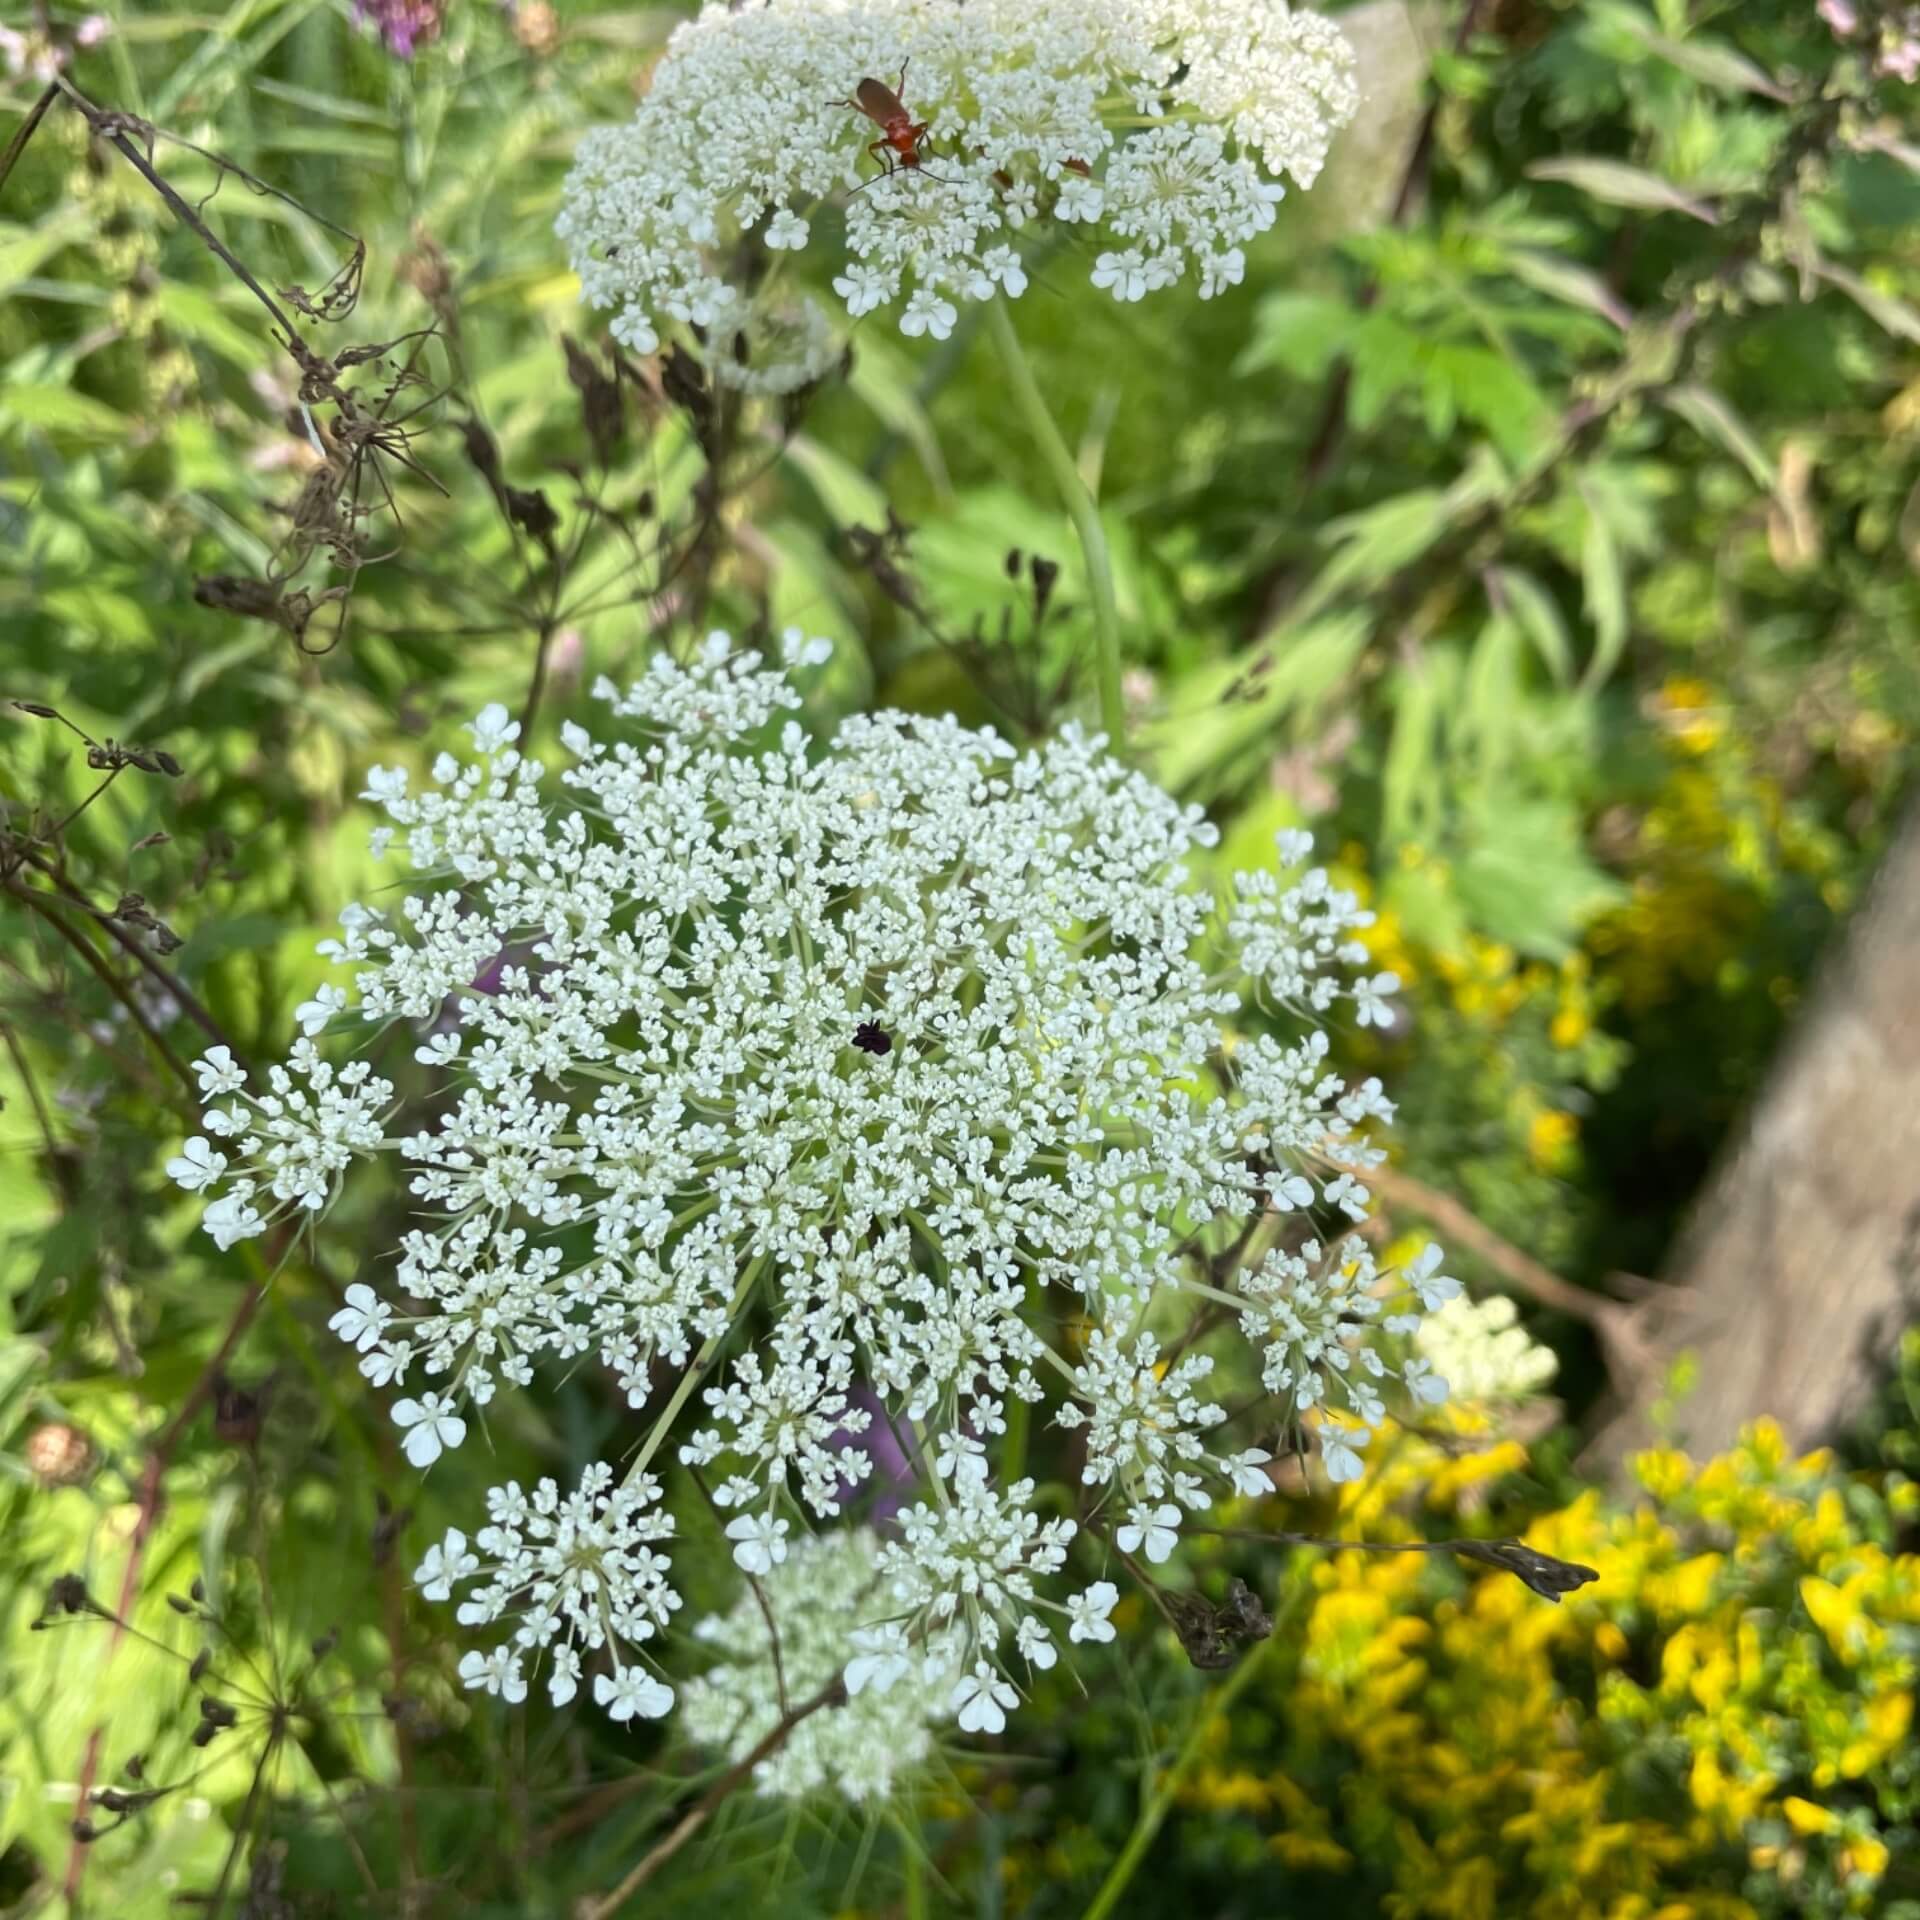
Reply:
x=1161, y=127
x=895, y=1068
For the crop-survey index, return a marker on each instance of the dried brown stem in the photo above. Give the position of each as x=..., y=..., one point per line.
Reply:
x=190, y=1002
x=1459, y=1228
x=25, y=132
x=39, y=903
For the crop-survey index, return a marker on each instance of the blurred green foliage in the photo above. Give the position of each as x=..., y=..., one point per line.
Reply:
x=1540, y=523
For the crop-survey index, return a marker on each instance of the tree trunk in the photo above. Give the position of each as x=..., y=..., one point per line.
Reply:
x=1801, y=1263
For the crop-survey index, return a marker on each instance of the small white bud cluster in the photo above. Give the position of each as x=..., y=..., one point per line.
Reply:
x=1483, y=1351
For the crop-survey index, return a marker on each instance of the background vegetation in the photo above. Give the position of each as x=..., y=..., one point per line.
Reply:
x=1540, y=523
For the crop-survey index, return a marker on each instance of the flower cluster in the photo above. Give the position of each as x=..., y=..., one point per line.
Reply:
x=402, y=26
x=1159, y=126
x=1721, y=1724
x=886, y=1073
x=1482, y=1351
x=574, y=1571
x=789, y=1641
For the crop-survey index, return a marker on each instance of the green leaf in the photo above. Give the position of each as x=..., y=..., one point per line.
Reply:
x=1711, y=416
x=883, y=378
x=1302, y=332
x=1491, y=390
x=1620, y=185
x=1524, y=877
x=1375, y=543
x=1490, y=697
x=198, y=316
x=1566, y=281
x=1311, y=661
x=54, y=409
x=1713, y=66
x=1387, y=358
x=1604, y=579
x=849, y=497
x=1888, y=311
x=1419, y=694
x=1538, y=616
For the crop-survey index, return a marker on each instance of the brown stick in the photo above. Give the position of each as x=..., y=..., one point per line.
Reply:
x=18, y=144
x=1462, y=1229
x=41, y=904
x=189, y=1001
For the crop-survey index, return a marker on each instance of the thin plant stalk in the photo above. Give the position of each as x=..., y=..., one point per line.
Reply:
x=1082, y=509
x=1166, y=1789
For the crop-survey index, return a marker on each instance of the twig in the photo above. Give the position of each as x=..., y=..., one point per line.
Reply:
x=33, y=898
x=1544, y=1573
x=18, y=144
x=57, y=1163
x=1460, y=1228
x=174, y=985
x=108, y=127
x=833, y=1694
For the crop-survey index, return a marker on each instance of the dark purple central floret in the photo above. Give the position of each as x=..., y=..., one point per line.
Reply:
x=870, y=1037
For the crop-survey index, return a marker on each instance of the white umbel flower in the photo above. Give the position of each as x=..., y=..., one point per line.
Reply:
x=1164, y=124
x=573, y=1577
x=915, y=1053
x=827, y=1585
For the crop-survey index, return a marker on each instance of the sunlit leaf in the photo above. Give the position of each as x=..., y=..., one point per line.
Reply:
x=1620, y=185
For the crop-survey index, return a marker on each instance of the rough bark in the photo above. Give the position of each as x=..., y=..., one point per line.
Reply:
x=1801, y=1263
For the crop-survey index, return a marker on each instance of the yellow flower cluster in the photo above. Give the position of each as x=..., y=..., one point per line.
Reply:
x=1718, y=842
x=1717, y=1728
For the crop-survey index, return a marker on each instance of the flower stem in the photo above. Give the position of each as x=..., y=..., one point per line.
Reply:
x=915, y=1890
x=695, y=1373
x=1082, y=510
x=1211, y=1707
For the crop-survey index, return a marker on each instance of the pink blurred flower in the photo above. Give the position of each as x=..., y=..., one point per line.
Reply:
x=402, y=25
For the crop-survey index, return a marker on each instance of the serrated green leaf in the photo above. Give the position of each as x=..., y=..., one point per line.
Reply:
x=1302, y=332
x=197, y=316
x=1311, y=660
x=1523, y=874
x=1407, y=774
x=54, y=409
x=1713, y=66
x=1490, y=695
x=1567, y=281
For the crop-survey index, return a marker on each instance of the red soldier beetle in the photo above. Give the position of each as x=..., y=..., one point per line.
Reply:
x=901, y=135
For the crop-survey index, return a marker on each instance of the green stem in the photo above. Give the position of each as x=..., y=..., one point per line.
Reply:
x=1013, y=1445
x=695, y=1373
x=1211, y=1707
x=916, y=1878
x=1082, y=510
